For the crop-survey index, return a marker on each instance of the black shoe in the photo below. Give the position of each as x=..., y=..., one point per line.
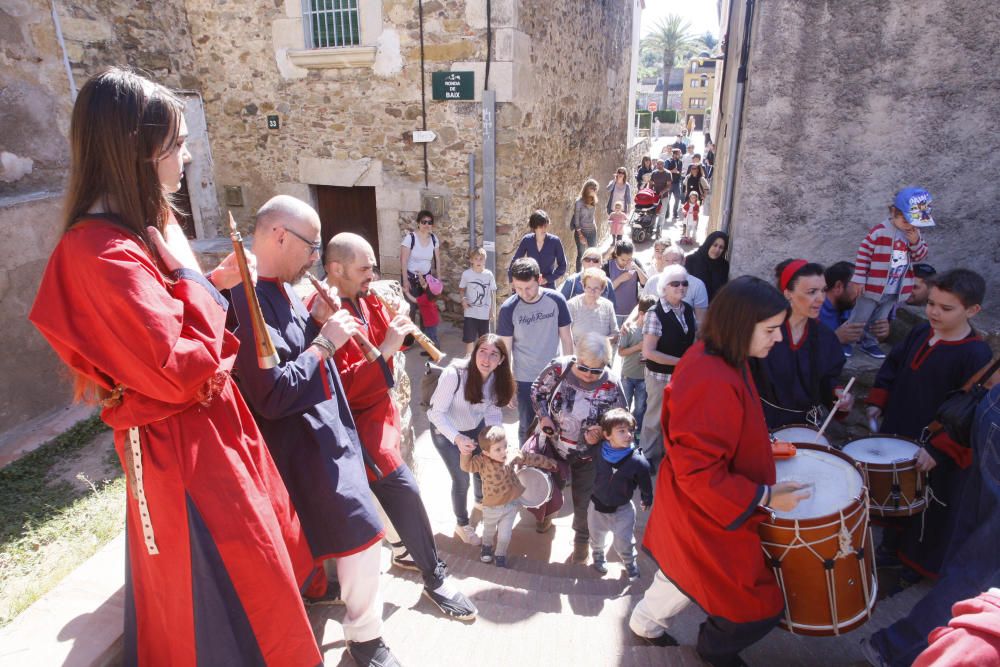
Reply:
x=663, y=640
x=455, y=606
x=372, y=653
x=331, y=597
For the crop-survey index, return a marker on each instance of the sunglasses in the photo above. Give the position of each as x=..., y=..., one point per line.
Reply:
x=588, y=369
x=426, y=222
x=592, y=260
x=678, y=283
x=315, y=246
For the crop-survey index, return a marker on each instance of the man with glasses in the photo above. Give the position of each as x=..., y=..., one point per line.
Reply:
x=301, y=409
x=532, y=322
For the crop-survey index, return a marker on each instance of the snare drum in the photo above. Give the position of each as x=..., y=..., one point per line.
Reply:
x=821, y=552
x=796, y=433
x=537, y=486
x=895, y=486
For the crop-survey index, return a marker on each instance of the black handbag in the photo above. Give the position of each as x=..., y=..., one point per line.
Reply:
x=957, y=412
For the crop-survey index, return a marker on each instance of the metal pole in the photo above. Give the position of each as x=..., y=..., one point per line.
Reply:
x=472, y=201
x=489, y=179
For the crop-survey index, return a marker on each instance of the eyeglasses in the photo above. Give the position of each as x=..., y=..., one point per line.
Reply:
x=315, y=246
x=678, y=283
x=592, y=260
x=426, y=221
x=588, y=369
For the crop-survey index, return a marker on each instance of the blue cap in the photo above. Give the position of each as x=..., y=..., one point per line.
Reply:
x=915, y=204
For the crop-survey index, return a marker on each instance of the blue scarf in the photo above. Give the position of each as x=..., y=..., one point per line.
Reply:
x=612, y=455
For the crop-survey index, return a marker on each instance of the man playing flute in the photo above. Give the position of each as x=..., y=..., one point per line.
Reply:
x=350, y=265
x=300, y=407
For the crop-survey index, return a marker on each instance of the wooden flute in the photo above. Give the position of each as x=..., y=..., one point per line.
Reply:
x=435, y=354
x=371, y=352
x=267, y=356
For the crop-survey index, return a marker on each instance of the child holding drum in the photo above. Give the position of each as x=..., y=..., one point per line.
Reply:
x=936, y=358
x=620, y=469
x=497, y=465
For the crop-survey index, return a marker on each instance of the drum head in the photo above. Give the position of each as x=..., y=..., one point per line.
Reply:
x=835, y=483
x=537, y=487
x=797, y=433
x=881, y=449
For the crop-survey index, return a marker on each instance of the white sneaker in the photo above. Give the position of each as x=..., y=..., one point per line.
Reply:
x=468, y=535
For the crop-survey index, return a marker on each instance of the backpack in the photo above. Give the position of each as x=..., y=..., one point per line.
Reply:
x=429, y=383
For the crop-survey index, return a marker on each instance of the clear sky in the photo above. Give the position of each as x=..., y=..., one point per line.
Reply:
x=701, y=14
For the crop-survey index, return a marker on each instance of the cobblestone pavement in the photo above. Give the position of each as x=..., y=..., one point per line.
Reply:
x=544, y=610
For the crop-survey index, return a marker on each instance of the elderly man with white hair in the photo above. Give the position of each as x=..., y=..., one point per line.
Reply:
x=667, y=332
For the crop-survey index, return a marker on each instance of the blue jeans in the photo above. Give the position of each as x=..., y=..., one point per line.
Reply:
x=970, y=565
x=525, y=410
x=459, y=478
x=590, y=241
x=636, y=389
x=432, y=333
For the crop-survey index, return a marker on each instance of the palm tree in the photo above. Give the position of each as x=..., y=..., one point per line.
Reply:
x=672, y=37
x=709, y=41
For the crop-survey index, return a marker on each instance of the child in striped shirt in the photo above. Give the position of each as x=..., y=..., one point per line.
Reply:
x=883, y=269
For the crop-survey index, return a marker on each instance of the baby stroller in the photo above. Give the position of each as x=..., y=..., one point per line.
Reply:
x=645, y=206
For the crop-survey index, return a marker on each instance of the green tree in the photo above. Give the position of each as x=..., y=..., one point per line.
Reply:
x=709, y=41
x=673, y=39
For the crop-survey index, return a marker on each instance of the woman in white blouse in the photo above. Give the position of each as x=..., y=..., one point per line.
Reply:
x=591, y=312
x=469, y=397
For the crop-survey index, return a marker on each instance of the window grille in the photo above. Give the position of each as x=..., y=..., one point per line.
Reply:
x=331, y=23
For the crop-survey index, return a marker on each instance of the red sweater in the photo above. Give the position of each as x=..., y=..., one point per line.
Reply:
x=971, y=639
x=871, y=266
x=702, y=530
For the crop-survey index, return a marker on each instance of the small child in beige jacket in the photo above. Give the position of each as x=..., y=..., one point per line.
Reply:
x=497, y=467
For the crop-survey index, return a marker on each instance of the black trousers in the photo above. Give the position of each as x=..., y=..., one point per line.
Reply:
x=399, y=496
x=720, y=641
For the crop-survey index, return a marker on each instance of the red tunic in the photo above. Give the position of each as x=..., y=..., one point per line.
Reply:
x=367, y=387
x=702, y=530
x=231, y=551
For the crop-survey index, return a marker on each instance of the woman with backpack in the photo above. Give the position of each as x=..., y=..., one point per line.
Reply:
x=469, y=396
x=419, y=256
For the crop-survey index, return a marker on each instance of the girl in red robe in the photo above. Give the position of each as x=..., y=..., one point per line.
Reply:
x=715, y=482
x=215, y=553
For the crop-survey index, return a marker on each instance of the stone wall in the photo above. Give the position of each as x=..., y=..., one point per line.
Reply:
x=846, y=103
x=559, y=120
x=34, y=108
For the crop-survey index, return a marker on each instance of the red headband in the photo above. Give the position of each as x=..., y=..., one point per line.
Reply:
x=789, y=271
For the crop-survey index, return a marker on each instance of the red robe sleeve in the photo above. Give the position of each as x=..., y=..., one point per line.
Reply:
x=111, y=315
x=365, y=384
x=702, y=447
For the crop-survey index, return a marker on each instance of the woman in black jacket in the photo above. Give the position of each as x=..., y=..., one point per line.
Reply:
x=709, y=262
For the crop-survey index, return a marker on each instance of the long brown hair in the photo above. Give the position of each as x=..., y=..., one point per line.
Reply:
x=589, y=198
x=122, y=124
x=735, y=312
x=503, y=379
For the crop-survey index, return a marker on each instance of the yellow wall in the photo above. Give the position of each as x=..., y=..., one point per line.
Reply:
x=706, y=67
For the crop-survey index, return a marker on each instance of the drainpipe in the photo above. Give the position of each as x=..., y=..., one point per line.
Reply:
x=65, y=56
x=737, y=120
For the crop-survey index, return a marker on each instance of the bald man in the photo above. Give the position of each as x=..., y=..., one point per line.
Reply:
x=301, y=408
x=350, y=266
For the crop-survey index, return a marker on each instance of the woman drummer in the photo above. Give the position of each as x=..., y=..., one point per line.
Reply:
x=716, y=482
x=570, y=396
x=798, y=379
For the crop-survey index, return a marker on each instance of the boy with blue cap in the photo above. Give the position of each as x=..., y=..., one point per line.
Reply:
x=883, y=269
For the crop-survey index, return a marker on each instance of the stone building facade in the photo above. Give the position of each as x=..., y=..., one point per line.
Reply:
x=845, y=104
x=343, y=136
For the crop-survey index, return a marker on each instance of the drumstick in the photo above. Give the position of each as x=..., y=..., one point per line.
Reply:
x=834, y=410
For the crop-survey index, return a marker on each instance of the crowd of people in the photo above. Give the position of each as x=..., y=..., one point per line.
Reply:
x=260, y=486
